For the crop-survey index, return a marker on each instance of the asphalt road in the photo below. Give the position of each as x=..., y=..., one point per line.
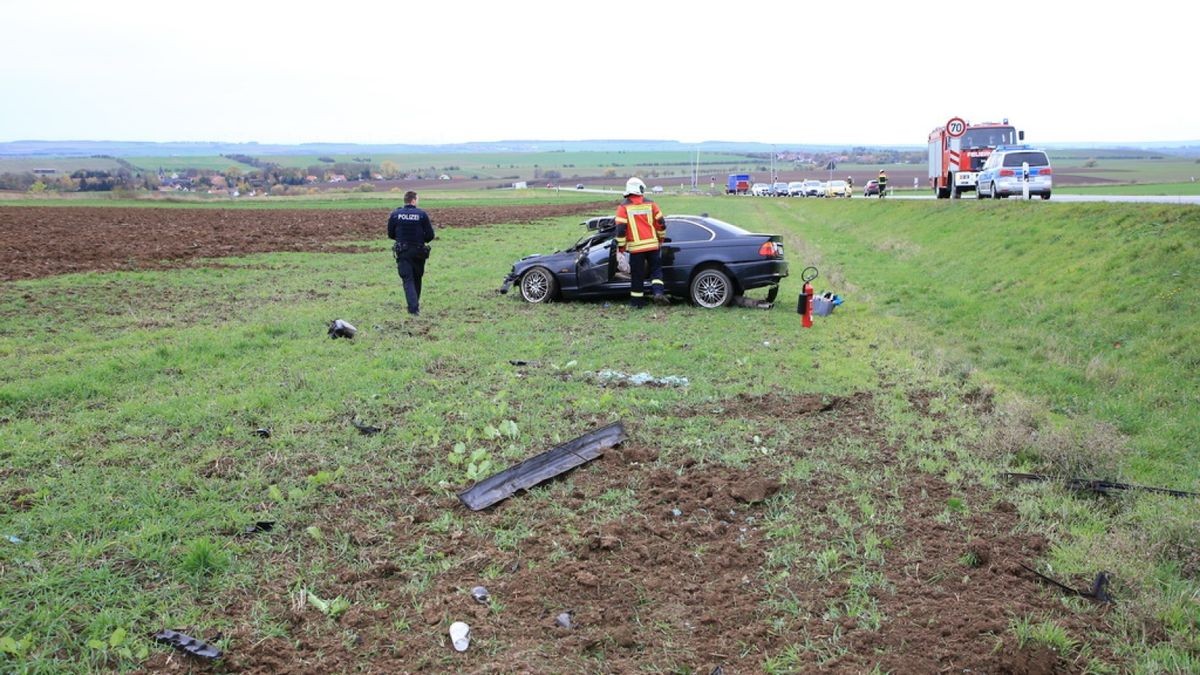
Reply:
x=1057, y=197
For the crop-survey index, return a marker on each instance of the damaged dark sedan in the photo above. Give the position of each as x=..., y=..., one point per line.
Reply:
x=705, y=260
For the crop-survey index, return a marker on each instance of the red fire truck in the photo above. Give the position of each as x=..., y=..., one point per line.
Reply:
x=958, y=149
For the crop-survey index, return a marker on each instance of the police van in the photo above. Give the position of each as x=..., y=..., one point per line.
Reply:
x=1010, y=168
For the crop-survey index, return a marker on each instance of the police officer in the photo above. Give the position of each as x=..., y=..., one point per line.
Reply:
x=410, y=227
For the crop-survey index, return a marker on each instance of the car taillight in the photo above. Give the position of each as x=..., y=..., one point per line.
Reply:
x=1006, y=172
x=1044, y=171
x=770, y=250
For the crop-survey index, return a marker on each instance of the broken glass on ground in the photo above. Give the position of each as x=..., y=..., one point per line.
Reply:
x=618, y=378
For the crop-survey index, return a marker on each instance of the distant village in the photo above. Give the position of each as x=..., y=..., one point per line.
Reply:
x=265, y=177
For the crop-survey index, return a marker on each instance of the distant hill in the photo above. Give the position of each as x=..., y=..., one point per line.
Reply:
x=34, y=148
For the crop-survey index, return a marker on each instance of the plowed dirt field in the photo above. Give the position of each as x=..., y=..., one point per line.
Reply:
x=44, y=241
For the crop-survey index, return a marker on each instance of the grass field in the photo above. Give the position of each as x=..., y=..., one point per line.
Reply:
x=65, y=165
x=128, y=405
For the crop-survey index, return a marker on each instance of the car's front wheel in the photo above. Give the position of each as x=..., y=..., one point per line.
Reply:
x=538, y=285
x=995, y=192
x=711, y=288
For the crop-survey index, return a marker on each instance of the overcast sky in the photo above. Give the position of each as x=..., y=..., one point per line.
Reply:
x=447, y=72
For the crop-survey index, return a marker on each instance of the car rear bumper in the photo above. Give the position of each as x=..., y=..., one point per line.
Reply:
x=759, y=273
x=1014, y=186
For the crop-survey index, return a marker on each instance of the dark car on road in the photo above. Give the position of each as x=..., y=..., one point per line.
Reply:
x=871, y=189
x=705, y=260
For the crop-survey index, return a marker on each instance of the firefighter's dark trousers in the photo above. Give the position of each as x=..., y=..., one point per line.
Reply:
x=639, y=264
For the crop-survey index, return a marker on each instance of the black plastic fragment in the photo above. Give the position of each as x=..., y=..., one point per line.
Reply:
x=1097, y=485
x=542, y=467
x=263, y=432
x=260, y=526
x=518, y=362
x=188, y=644
x=365, y=429
x=1098, y=592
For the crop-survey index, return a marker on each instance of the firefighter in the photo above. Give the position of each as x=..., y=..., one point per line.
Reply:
x=640, y=231
x=882, y=183
x=410, y=227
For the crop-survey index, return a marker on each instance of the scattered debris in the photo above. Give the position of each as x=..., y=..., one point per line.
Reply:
x=518, y=363
x=542, y=467
x=460, y=635
x=331, y=608
x=364, y=429
x=188, y=644
x=564, y=620
x=617, y=377
x=676, y=512
x=480, y=594
x=14, y=539
x=264, y=432
x=1097, y=485
x=1098, y=592
x=751, y=303
x=260, y=526
x=341, y=329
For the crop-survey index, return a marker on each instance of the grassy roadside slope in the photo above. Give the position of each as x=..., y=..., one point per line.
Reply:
x=129, y=403
x=1090, y=308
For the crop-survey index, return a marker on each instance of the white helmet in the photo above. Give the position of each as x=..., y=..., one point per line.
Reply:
x=635, y=186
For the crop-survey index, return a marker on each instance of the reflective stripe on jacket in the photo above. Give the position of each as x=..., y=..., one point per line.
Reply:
x=640, y=225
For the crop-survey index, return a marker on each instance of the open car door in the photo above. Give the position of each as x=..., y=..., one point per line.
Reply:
x=596, y=264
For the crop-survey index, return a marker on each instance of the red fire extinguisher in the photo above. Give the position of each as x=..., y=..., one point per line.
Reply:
x=804, y=304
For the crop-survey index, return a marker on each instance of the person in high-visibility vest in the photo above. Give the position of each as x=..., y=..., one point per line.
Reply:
x=882, y=183
x=640, y=231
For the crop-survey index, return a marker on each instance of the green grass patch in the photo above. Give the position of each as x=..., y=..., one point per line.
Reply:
x=129, y=404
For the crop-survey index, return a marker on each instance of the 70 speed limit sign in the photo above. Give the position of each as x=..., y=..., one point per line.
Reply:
x=956, y=127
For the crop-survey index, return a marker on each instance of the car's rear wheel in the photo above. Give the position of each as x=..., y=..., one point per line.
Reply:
x=538, y=285
x=711, y=288
x=1045, y=195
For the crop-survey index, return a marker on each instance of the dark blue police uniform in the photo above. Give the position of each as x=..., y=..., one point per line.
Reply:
x=411, y=228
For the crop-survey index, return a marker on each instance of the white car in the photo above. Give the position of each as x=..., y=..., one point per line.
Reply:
x=814, y=188
x=1003, y=175
x=657, y=189
x=760, y=189
x=796, y=189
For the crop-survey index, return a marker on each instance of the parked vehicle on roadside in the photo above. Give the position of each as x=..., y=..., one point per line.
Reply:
x=814, y=188
x=705, y=260
x=837, y=188
x=955, y=160
x=1003, y=174
x=760, y=189
x=796, y=188
x=779, y=189
x=871, y=189
x=738, y=184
